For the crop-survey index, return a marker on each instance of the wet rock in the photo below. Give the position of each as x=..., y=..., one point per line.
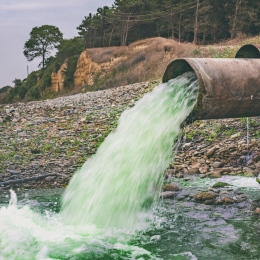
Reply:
x=214, y=174
x=254, y=206
x=227, y=200
x=209, y=202
x=168, y=194
x=171, y=187
x=182, y=196
x=205, y=196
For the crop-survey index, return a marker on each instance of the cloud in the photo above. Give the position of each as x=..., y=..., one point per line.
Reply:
x=34, y=5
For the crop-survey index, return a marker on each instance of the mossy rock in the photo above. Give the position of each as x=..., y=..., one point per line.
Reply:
x=171, y=187
x=204, y=196
x=220, y=184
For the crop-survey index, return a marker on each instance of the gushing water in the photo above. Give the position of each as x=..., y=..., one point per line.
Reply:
x=13, y=198
x=124, y=177
x=113, y=190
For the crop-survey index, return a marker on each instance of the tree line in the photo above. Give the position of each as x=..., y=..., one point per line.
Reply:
x=198, y=21
x=127, y=21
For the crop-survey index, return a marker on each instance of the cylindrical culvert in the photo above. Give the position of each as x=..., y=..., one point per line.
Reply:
x=228, y=88
x=251, y=51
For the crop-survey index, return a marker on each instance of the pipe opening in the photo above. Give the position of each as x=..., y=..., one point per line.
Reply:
x=175, y=69
x=227, y=88
x=249, y=51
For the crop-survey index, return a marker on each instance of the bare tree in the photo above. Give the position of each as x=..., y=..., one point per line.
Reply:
x=234, y=23
x=196, y=22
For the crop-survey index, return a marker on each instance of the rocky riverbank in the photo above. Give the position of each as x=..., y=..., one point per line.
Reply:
x=43, y=143
x=213, y=148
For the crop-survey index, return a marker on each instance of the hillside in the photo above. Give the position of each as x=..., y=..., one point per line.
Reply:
x=108, y=67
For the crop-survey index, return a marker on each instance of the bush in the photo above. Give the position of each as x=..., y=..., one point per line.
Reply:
x=22, y=90
x=4, y=89
x=34, y=93
x=69, y=71
x=69, y=48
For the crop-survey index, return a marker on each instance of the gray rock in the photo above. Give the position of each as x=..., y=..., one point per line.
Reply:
x=50, y=178
x=217, y=164
x=168, y=194
x=13, y=172
x=211, y=152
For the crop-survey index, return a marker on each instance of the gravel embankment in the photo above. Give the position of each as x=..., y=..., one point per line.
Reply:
x=43, y=143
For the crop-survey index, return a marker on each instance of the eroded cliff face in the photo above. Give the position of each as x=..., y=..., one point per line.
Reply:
x=57, y=78
x=86, y=69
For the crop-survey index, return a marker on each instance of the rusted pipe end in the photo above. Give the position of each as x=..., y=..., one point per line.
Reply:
x=177, y=68
x=228, y=88
x=251, y=51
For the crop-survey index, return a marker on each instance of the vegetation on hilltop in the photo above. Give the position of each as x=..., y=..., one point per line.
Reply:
x=197, y=21
x=147, y=60
x=141, y=61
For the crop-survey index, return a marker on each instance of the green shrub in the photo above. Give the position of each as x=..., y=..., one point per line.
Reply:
x=22, y=90
x=4, y=89
x=34, y=93
x=69, y=71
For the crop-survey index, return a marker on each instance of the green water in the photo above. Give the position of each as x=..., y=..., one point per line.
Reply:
x=179, y=229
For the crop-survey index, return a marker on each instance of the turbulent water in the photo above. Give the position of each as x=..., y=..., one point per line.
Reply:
x=124, y=177
x=109, y=198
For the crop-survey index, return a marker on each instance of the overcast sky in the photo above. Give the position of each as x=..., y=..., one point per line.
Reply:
x=18, y=17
